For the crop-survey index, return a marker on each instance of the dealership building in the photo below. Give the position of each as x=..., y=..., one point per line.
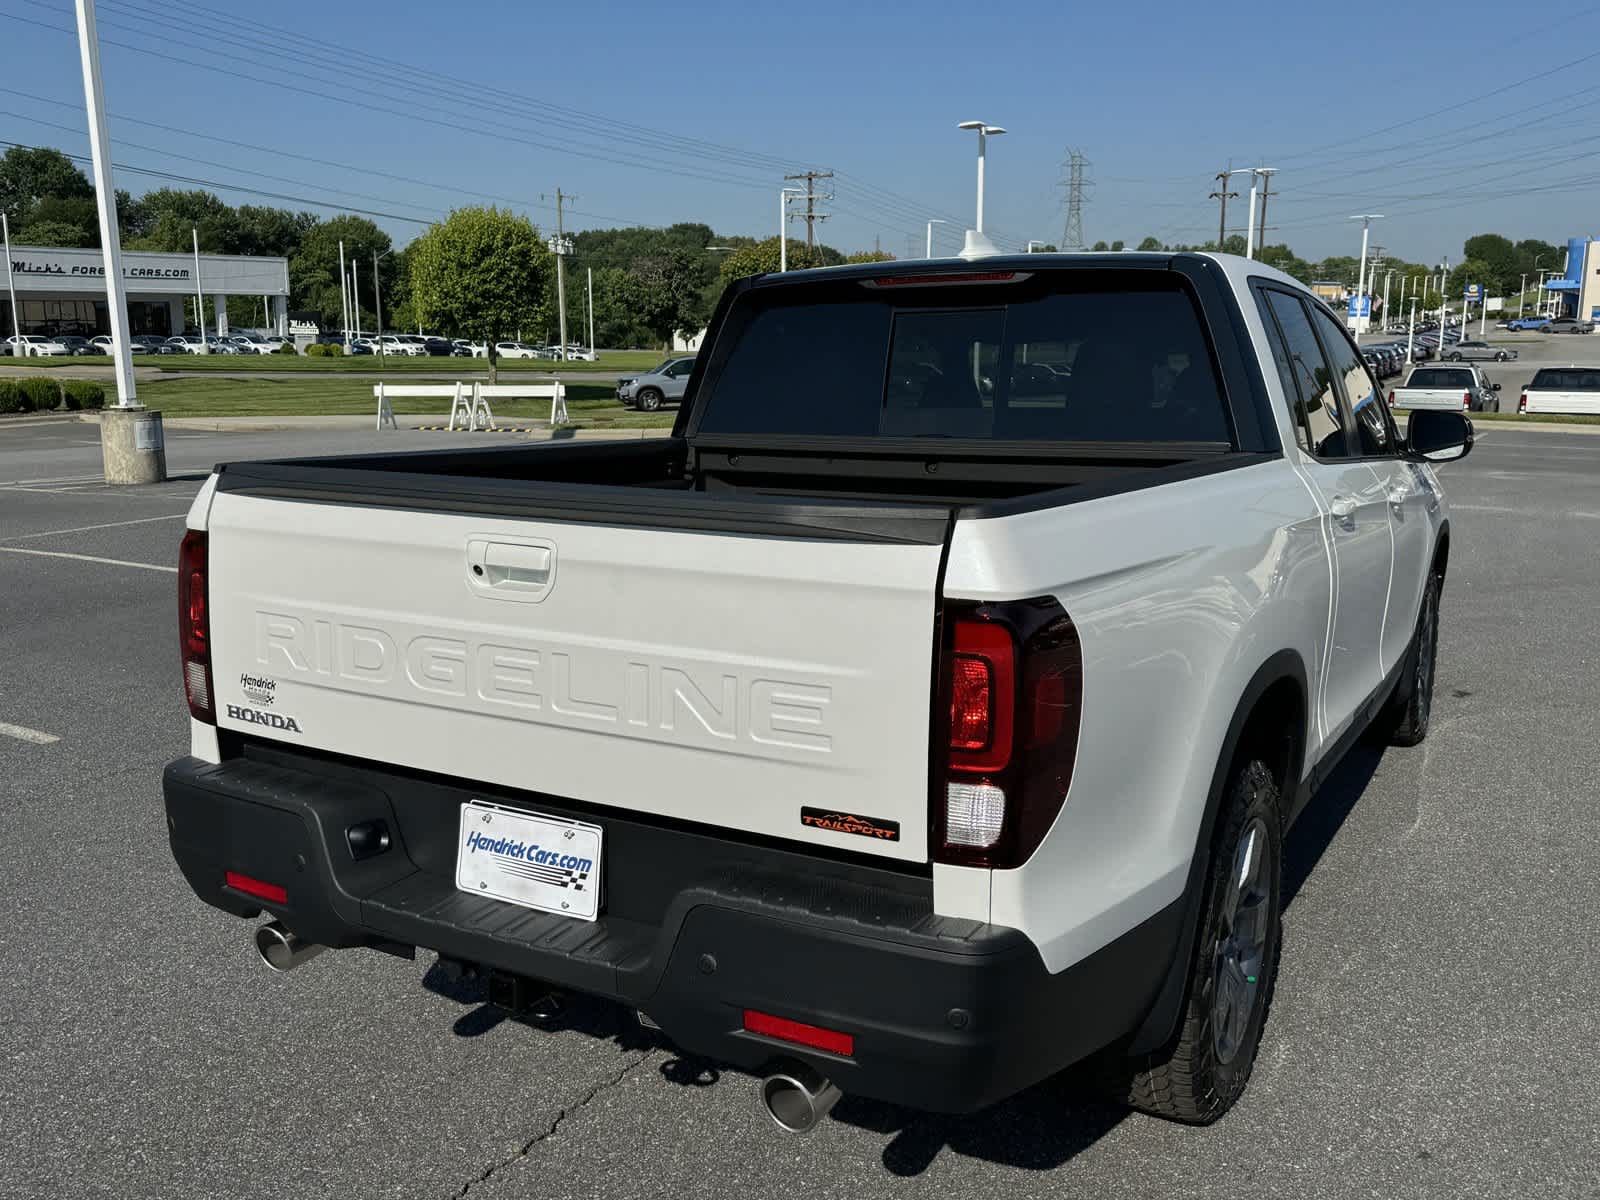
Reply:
x=1576, y=291
x=64, y=291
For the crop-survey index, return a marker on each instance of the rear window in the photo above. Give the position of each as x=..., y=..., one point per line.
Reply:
x=1439, y=377
x=1567, y=379
x=1081, y=356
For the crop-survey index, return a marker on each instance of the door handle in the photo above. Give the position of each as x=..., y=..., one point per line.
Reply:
x=511, y=570
x=1398, y=496
x=1342, y=507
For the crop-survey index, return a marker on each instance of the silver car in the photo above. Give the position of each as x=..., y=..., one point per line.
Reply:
x=1470, y=351
x=649, y=391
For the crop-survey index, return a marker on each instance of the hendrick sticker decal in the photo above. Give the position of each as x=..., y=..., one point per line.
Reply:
x=259, y=689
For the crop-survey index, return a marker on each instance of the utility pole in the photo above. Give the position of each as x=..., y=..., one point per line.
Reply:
x=344, y=295
x=560, y=247
x=591, y=309
x=1223, y=194
x=1266, y=174
x=377, y=299
x=812, y=215
x=1076, y=184
x=355, y=293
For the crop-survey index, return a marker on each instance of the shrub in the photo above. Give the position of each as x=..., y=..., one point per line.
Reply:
x=324, y=350
x=10, y=397
x=286, y=348
x=41, y=394
x=83, y=393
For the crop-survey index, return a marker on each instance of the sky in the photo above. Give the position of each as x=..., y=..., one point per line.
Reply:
x=1449, y=120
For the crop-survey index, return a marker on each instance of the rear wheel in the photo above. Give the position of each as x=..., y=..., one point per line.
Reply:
x=1204, y=1070
x=648, y=399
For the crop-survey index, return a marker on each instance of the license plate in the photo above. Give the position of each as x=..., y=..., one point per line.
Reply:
x=525, y=858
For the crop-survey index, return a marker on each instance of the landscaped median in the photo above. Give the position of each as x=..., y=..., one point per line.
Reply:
x=590, y=405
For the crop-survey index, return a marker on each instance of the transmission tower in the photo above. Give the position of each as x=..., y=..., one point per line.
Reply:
x=1076, y=184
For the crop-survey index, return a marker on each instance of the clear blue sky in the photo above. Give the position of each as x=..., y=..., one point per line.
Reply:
x=652, y=113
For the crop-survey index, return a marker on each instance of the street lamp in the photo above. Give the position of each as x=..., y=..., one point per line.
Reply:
x=377, y=295
x=984, y=133
x=928, y=252
x=784, y=195
x=1366, y=220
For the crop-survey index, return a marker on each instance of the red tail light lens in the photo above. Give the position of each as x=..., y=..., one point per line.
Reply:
x=1466, y=400
x=1391, y=398
x=194, y=627
x=1522, y=403
x=1013, y=675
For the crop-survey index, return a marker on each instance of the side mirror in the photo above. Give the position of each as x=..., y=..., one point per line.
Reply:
x=1439, y=436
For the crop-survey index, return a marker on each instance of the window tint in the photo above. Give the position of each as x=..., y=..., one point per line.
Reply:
x=1567, y=379
x=1281, y=360
x=1360, y=389
x=1026, y=361
x=1440, y=377
x=1319, y=404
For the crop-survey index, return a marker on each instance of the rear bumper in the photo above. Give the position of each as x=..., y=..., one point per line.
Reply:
x=948, y=1015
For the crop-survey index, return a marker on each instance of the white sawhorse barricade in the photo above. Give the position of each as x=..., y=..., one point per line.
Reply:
x=469, y=404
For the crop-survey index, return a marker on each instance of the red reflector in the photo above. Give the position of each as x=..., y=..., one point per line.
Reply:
x=970, y=698
x=798, y=1032
x=256, y=888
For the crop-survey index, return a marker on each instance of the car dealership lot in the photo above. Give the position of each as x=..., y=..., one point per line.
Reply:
x=1432, y=1033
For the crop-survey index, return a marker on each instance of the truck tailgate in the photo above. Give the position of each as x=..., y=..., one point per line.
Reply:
x=730, y=679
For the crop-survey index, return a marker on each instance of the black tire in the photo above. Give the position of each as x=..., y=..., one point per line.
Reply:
x=1455, y=357
x=1500, y=358
x=647, y=399
x=1203, y=1071
x=1404, y=720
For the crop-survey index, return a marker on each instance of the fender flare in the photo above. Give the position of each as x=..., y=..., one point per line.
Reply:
x=1161, y=1022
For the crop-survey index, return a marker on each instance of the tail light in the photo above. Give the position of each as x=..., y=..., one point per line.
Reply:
x=1012, y=695
x=194, y=627
x=1522, y=403
x=1391, y=397
x=1466, y=400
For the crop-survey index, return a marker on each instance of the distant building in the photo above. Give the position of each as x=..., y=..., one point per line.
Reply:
x=1331, y=290
x=64, y=291
x=1576, y=291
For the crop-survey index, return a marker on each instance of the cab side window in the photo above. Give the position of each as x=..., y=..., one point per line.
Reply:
x=1286, y=371
x=1373, y=431
x=1315, y=395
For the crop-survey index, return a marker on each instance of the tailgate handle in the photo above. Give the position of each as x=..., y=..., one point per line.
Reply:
x=511, y=570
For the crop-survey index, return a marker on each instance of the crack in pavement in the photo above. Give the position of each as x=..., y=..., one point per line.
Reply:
x=562, y=1115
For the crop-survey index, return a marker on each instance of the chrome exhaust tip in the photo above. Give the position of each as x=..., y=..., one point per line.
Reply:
x=282, y=950
x=798, y=1097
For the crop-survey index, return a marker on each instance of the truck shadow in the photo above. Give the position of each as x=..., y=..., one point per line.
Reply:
x=1040, y=1129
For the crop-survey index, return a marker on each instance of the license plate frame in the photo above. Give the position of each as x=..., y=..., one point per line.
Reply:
x=531, y=859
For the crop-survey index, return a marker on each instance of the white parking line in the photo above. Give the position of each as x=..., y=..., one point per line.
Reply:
x=113, y=562
x=1542, y=514
x=23, y=734
x=22, y=537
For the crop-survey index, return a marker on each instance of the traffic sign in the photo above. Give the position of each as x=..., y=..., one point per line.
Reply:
x=1360, y=306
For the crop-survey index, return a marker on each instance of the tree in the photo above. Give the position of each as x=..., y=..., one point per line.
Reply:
x=29, y=176
x=70, y=221
x=1500, y=258
x=1151, y=243
x=1100, y=246
x=168, y=215
x=1474, y=270
x=314, y=267
x=480, y=273
x=668, y=293
x=869, y=256
x=617, y=305
x=1285, y=260
x=52, y=233
x=1119, y=244
x=761, y=258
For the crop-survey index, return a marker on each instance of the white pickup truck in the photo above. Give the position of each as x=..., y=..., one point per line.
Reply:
x=1573, y=390
x=923, y=716
x=1446, y=388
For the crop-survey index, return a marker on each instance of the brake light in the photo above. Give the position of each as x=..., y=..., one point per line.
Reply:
x=1013, y=680
x=1466, y=400
x=194, y=626
x=1522, y=403
x=1391, y=397
x=799, y=1033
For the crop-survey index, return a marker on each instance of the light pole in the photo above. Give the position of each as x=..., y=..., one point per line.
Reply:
x=11, y=286
x=1411, y=334
x=783, y=225
x=199, y=294
x=985, y=132
x=1386, y=277
x=1366, y=220
x=377, y=296
x=928, y=250
x=591, y=311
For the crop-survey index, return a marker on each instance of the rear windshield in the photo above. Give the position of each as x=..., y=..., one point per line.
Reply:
x=1079, y=356
x=1439, y=377
x=1567, y=379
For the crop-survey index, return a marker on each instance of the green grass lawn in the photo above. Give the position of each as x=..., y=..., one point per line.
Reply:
x=609, y=360
x=590, y=405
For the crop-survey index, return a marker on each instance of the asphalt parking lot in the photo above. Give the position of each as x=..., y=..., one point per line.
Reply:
x=1433, y=1033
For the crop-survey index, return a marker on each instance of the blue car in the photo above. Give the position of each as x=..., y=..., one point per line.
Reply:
x=1527, y=322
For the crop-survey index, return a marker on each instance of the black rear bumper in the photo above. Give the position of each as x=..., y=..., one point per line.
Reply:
x=947, y=1014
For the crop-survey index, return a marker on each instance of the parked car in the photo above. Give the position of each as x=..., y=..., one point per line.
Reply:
x=391, y=343
x=516, y=350
x=1573, y=390
x=1473, y=350
x=77, y=345
x=36, y=345
x=438, y=347
x=103, y=343
x=1569, y=325
x=467, y=348
x=1447, y=388
x=150, y=343
x=579, y=354
x=656, y=386
x=1524, y=323
x=842, y=748
x=188, y=343
x=252, y=343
